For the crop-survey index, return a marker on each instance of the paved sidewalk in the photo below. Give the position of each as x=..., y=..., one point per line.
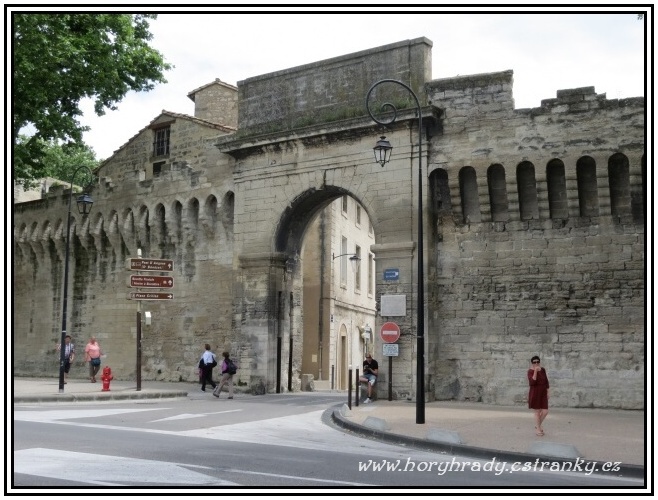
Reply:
x=593, y=435
x=473, y=429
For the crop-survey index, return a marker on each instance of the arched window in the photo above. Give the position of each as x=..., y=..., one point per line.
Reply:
x=440, y=193
x=468, y=189
x=557, y=190
x=588, y=196
x=527, y=186
x=619, y=181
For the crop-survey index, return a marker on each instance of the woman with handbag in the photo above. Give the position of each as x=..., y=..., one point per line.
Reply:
x=93, y=354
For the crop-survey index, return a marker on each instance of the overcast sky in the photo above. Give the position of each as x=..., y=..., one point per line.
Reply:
x=547, y=51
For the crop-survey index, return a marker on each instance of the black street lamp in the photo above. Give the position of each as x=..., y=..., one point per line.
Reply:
x=382, y=155
x=84, y=203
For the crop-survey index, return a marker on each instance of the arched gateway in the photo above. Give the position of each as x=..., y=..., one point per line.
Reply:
x=261, y=199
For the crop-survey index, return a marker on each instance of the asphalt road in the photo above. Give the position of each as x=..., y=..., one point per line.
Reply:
x=260, y=443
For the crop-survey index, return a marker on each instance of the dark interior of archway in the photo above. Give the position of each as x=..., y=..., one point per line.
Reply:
x=299, y=214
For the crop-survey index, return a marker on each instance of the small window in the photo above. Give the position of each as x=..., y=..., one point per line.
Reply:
x=345, y=204
x=161, y=142
x=358, y=215
x=157, y=168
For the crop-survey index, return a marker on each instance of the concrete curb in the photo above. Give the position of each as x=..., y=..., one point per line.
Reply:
x=100, y=396
x=625, y=470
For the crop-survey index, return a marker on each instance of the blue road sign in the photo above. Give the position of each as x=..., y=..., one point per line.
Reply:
x=391, y=274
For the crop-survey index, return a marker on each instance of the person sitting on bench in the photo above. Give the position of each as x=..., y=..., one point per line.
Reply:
x=370, y=371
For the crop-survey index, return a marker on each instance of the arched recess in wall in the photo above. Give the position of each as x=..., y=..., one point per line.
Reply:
x=45, y=236
x=144, y=232
x=440, y=194
x=177, y=211
x=114, y=236
x=588, y=196
x=227, y=212
x=104, y=253
x=527, y=187
x=468, y=190
x=557, y=189
x=497, y=193
x=619, y=182
x=160, y=227
x=639, y=194
x=128, y=230
x=193, y=216
x=208, y=217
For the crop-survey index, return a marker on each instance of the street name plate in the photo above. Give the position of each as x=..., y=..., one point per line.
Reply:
x=142, y=281
x=164, y=265
x=150, y=296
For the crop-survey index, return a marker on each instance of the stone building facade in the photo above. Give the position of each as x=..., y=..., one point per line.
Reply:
x=534, y=224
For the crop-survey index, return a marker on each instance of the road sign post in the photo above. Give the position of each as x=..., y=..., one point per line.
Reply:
x=147, y=281
x=390, y=333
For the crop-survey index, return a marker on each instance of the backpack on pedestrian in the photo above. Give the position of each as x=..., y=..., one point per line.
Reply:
x=231, y=367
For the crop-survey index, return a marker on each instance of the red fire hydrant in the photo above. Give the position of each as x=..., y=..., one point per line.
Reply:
x=106, y=378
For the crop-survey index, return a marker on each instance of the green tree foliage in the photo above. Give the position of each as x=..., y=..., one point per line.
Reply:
x=60, y=161
x=59, y=59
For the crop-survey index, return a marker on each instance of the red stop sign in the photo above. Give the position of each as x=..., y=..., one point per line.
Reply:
x=390, y=332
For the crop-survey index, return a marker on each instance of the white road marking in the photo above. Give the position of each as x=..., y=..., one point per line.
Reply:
x=298, y=478
x=52, y=415
x=95, y=469
x=183, y=416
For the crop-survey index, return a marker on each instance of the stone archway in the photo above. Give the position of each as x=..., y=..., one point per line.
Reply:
x=310, y=236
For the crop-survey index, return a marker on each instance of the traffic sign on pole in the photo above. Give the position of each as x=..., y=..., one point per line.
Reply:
x=142, y=281
x=163, y=265
x=150, y=296
x=390, y=332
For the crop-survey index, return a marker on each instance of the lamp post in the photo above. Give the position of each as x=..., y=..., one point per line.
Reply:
x=84, y=203
x=382, y=152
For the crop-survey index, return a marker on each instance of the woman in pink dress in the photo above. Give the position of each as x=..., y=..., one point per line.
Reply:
x=538, y=394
